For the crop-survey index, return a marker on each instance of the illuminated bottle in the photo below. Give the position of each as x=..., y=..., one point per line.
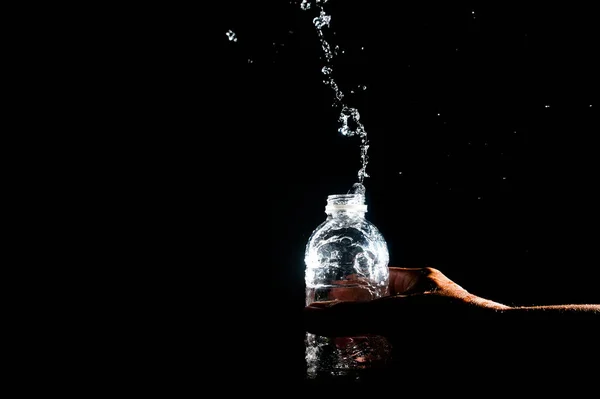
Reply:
x=346, y=258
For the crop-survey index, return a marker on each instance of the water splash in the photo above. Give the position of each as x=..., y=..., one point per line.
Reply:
x=322, y=20
x=231, y=36
x=358, y=188
x=349, y=118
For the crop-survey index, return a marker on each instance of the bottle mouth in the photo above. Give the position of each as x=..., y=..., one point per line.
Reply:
x=346, y=202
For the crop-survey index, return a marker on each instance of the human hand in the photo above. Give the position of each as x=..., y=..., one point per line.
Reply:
x=418, y=299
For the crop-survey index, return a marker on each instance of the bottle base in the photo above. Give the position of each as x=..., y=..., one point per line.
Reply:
x=345, y=357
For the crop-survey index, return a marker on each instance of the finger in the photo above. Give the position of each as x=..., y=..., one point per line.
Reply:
x=352, y=289
x=405, y=280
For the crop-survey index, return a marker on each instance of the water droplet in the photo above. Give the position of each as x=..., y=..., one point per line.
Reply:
x=231, y=36
x=547, y=106
x=349, y=118
x=399, y=173
x=250, y=61
x=478, y=198
x=364, y=87
x=362, y=48
x=504, y=178
x=322, y=20
x=438, y=114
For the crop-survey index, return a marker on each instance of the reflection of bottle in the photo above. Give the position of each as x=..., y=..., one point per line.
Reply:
x=346, y=258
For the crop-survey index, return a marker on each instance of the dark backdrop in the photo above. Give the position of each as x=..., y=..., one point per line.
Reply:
x=482, y=122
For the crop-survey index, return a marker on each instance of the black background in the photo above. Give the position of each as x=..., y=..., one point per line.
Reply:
x=489, y=116
x=181, y=173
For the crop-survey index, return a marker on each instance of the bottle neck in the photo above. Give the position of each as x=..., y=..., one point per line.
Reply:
x=354, y=214
x=346, y=205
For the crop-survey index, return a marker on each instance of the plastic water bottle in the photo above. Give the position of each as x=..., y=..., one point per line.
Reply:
x=346, y=258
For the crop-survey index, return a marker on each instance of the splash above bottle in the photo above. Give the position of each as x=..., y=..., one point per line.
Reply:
x=349, y=119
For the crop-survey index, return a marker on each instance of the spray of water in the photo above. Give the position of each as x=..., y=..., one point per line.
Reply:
x=349, y=119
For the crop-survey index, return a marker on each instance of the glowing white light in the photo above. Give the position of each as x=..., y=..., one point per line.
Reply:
x=231, y=36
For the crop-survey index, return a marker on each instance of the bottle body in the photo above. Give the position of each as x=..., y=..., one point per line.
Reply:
x=346, y=259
